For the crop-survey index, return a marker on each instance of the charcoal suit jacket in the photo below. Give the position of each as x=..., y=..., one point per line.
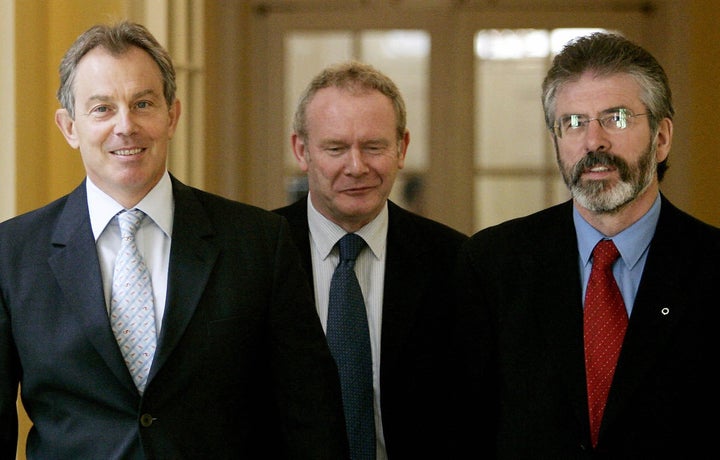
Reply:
x=242, y=368
x=417, y=313
x=520, y=337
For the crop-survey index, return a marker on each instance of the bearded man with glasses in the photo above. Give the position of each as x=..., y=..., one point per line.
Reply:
x=531, y=377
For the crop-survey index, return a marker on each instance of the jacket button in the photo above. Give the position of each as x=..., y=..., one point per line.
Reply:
x=146, y=420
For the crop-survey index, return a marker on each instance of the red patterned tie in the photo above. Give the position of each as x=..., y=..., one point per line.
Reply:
x=605, y=322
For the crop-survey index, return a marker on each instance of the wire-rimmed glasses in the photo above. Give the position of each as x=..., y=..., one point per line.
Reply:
x=612, y=121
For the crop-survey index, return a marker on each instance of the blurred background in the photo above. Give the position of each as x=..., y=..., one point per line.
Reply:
x=470, y=71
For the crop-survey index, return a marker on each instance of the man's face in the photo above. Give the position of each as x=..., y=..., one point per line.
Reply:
x=352, y=155
x=122, y=123
x=606, y=168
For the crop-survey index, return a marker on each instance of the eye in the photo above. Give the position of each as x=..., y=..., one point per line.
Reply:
x=144, y=105
x=573, y=121
x=100, y=111
x=374, y=150
x=616, y=119
x=334, y=150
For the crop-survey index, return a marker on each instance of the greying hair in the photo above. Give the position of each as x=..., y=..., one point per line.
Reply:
x=117, y=39
x=357, y=78
x=607, y=54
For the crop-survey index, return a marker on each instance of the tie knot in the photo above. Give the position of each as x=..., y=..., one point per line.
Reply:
x=129, y=222
x=605, y=254
x=350, y=245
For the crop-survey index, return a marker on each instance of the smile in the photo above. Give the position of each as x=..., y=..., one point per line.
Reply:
x=127, y=152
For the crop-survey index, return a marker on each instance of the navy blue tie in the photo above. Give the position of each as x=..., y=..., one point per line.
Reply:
x=348, y=336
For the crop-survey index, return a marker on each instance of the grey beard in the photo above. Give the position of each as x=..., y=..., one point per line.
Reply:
x=599, y=196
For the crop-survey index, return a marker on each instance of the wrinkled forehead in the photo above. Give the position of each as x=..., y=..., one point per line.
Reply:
x=593, y=94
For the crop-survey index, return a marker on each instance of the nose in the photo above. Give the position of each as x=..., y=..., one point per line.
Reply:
x=596, y=137
x=355, y=164
x=125, y=124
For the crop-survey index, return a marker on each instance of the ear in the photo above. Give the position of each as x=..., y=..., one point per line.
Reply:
x=402, y=149
x=299, y=151
x=664, y=139
x=67, y=127
x=174, y=117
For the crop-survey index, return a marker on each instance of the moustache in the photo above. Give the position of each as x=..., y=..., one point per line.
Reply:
x=598, y=158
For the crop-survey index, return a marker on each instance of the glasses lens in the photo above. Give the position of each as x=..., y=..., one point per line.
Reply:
x=612, y=121
x=617, y=120
x=569, y=124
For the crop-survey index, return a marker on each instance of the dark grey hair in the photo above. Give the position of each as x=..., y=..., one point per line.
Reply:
x=116, y=39
x=606, y=54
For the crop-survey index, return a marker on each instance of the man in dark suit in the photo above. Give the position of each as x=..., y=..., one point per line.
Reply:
x=525, y=328
x=241, y=368
x=350, y=138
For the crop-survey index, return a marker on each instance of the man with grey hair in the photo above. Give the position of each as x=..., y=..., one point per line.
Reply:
x=350, y=138
x=559, y=358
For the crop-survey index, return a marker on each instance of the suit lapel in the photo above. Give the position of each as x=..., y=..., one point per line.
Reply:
x=558, y=308
x=296, y=214
x=405, y=260
x=75, y=263
x=658, y=309
x=192, y=257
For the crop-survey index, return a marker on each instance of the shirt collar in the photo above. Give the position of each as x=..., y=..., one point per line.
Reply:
x=158, y=204
x=325, y=233
x=631, y=242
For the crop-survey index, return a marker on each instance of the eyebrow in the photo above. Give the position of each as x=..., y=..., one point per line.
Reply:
x=138, y=95
x=611, y=109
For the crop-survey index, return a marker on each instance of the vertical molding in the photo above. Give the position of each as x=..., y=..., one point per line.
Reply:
x=33, y=112
x=229, y=100
x=7, y=117
x=452, y=126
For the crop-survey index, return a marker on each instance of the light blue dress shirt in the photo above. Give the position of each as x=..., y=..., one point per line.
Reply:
x=633, y=244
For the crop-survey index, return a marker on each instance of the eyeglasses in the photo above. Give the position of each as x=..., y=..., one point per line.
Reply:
x=612, y=121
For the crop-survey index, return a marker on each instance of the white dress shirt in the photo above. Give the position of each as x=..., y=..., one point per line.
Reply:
x=153, y=237
x=370, y=271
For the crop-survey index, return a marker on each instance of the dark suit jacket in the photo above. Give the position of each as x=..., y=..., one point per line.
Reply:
x=417, y=312
x=522, y=339
x=242, y=366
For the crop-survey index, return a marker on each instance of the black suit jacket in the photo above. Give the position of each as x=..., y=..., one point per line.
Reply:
x=521, y=337
x=417, y=311
x=242, y=369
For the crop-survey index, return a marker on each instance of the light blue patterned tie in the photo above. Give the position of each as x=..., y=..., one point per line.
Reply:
x=348, y=337
x=132, y=311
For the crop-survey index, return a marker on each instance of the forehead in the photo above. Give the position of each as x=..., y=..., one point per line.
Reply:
x=335, y=101
x=335, y=112
x=592, y=94
x=100, y=70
